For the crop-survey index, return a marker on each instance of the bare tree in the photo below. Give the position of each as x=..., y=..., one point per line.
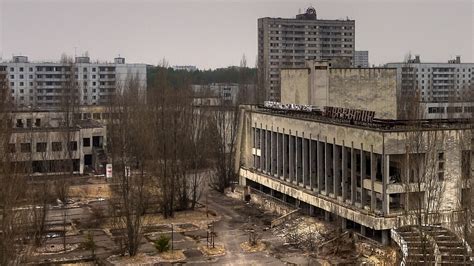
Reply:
x=128, y=151
x=12, y=179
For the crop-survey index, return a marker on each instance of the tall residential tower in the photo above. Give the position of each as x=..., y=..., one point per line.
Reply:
x=288, y=42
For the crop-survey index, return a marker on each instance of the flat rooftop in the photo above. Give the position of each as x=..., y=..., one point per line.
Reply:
x=383, y=125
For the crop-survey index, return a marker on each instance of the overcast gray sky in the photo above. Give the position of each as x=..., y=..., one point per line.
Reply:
x=216, y=33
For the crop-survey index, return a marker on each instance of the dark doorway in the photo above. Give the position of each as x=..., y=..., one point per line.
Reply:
x=97, y=141
x=88, y=160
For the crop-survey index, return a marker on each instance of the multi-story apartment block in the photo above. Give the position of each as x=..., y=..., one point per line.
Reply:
x=361, y=59
x=445, y=90
x=288, y=42
x=44, y=84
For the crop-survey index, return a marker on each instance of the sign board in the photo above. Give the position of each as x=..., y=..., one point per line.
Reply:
x=289, y=106
x=127, y=171
x=108, y=170
x=349, y=114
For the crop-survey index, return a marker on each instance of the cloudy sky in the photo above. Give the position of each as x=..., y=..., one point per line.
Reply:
x=216, y=33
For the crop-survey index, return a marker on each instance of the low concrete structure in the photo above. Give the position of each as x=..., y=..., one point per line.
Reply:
x=320, y=84
x=361, y=174
x=41, y=144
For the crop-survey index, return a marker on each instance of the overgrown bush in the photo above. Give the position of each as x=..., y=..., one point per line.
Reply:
x=162, y=244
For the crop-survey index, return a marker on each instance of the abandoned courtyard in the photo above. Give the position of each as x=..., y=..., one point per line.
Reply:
x=297, y=239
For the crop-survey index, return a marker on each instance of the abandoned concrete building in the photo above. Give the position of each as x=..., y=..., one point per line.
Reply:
x=369, y=173
x=40, y=143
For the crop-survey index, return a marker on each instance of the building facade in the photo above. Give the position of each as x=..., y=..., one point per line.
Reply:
x=446, y=90
x=225, y=93
x=41, y=144
x=44, y=84
x=288, y=42
x=365, y=175
x=319, y=84
x=361, y=59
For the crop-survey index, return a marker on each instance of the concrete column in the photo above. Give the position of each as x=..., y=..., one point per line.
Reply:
x=254, y=146
x=284, y=147
x=362, y=175
x=261, y=148
x=373, y=170
x=277, y=144
x=310, y=163
x=303, y=160
x=291, y=157
x=327, y=163
x=311, y=210
x=327, y=216
x=297, y=159
x=385, y=179
x=274, y=153
x=320, y=169
x=343, y=224
x=305, y=155
x=336, y=169
x=362, y=230
x=385, y=237
x=314, y=175
x=353, y=176
x=268, y=148
x=344, y=172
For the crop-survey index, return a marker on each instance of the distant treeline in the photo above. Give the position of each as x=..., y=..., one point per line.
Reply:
x=182, y=78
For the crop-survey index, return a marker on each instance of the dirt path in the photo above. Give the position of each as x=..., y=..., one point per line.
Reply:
x=231, y=231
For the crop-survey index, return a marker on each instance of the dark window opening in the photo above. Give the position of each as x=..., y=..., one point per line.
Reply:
x=41, y=147
x=57, y=146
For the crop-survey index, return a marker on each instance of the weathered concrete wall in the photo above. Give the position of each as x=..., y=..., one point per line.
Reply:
x=313, y=129
x=393, y=144
x=294, y=86
x=364, y=88
x=319, y=83
x=325, y=203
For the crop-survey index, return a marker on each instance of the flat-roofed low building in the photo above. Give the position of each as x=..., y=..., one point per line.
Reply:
x=365, y=174
x=41, y=143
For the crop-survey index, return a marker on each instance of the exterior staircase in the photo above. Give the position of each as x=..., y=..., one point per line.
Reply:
x=431, y=245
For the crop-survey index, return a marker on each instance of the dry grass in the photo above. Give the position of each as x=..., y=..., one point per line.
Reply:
x=171, y=256
x=218, y=250
x=90, y=191
x=260, y=246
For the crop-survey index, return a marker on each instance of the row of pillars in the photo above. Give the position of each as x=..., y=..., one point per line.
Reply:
x=319, y=164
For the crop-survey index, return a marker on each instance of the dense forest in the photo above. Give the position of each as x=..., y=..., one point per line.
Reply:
x=178, y=78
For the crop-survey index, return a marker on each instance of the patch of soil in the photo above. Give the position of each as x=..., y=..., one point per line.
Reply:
x=218, y=250
x=258, y=247
x=55, y=249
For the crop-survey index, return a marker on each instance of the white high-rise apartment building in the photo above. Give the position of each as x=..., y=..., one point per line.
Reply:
x=288, y=42
x=41, y=84
x=445, y=89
